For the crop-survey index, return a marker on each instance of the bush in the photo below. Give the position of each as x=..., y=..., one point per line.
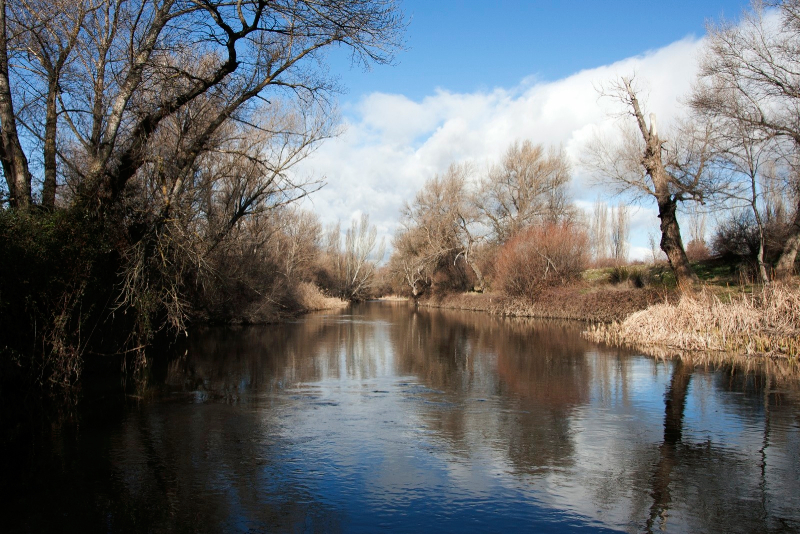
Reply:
x=736, y=239
x=696, y=250
x=540, y=257
x=618, y=274
x=637, y=276
x=55, y=270
x=310, y=297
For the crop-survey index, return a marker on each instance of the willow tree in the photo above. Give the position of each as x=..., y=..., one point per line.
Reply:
x=444, y=224
x=352, y=262
x=667, y=170
x=528, y=186
x=165, y=126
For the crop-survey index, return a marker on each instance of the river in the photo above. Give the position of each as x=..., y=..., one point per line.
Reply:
x=383, y=417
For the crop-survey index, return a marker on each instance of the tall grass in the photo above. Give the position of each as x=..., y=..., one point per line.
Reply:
x=766, y=322
x=311, y=298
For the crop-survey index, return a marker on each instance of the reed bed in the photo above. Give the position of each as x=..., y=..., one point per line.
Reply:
x=763, y=323
x=311, y=298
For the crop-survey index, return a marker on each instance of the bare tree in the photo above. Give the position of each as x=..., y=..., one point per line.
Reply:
x=654, y=248
x=742, y=152
x=749, y=78
x=620, y=232
x=14, y=160
x=134, y=64
x=645, y=165
x=599, y=231
x=529, y=185
x=45, y=37
x=169, y=128
x=410, y=262
x=445, y=215
x=353, y=262
x=697, y=224
x=298, y=245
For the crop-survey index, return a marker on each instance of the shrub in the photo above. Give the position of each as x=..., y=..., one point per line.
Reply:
x=736, y=239
x=696, y=250
x=542, y=256
x=310, y=297
x=638, y=277
x=55, y=268
x=618, y=274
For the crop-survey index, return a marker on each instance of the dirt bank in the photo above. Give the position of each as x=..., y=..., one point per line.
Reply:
x=604, y=305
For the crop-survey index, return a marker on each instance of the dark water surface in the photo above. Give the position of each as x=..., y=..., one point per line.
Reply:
x=385, y=418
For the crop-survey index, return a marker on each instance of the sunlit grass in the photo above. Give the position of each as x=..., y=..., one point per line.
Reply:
x=310, y=297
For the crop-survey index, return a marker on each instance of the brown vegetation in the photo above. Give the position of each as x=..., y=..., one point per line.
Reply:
x=569, y=302
x=767, y=322
x=311, y=298
x=164, y=136
x=347, y=267
x=453, y=230
x=541, y=256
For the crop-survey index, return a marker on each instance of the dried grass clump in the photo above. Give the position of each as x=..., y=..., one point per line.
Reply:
x=767, y=322
x=311, y=298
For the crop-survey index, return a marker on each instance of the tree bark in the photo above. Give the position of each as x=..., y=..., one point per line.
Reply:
x=50, y=126
x=671, y=242
x=478, y=274
x=785, y=267
x=762, y=267
x=15, y=163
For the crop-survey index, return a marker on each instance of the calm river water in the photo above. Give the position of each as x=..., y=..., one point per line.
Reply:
x=386, y=418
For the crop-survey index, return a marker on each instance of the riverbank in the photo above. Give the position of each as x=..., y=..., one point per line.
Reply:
x=763, y=323
x=661, y=322
x=597, y=304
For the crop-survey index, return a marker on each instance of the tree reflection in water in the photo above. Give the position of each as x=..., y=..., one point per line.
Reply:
x=388, y=417
x=674, y=405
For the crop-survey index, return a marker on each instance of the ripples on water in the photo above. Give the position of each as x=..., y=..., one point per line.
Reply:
x=386, y=418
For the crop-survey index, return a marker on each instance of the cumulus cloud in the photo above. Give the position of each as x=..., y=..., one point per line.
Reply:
x=391, y=144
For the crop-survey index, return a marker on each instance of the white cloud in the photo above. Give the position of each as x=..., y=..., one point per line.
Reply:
x=392, y=144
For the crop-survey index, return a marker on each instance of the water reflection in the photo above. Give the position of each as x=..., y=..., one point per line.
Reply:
x=387, y=417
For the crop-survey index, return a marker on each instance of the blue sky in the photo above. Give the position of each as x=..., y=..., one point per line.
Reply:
x=475, y=76
x=470, y=45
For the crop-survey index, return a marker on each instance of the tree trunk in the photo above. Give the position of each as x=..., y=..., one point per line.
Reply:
x=50, y=125
x=478, y=274
x=785, y=267
x=762, y=267
x=671, y=242
x=15, y=164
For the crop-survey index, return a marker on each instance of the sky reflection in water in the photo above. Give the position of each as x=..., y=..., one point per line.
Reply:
x=388, y=418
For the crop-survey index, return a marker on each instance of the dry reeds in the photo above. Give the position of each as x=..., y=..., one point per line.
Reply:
x=767, y=322
x=311, y=298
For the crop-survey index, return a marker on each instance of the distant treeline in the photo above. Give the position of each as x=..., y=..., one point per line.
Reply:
x=734, y=156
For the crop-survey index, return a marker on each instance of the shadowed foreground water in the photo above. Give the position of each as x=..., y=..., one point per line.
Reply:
x=387, y=418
